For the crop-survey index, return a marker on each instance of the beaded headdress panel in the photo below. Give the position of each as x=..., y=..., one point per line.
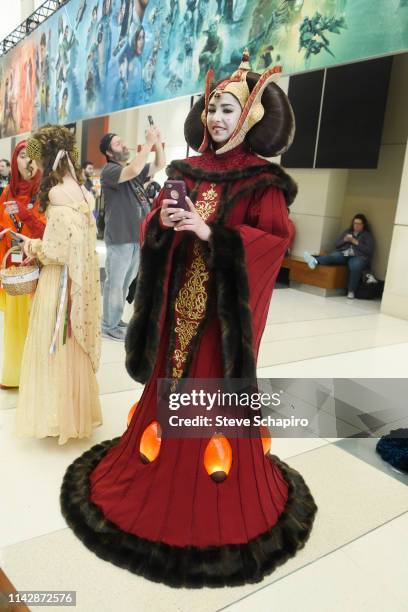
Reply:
x=35, y=150
x=252, y=109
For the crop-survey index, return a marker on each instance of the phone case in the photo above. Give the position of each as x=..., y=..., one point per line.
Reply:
x=176, y=190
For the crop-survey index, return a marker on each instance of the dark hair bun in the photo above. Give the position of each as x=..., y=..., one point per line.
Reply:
x=193, y=126
x=274, y=134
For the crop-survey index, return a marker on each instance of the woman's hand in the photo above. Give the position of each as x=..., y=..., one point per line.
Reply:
x=169, y=215
x=350, y=238
x=24, y=241
x=193, y=222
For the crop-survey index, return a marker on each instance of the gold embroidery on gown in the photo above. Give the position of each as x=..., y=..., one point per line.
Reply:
x=191, y=301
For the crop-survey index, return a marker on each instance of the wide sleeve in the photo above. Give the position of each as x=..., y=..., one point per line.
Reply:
x=246, y=260
x=59, y=238
x=265, y=233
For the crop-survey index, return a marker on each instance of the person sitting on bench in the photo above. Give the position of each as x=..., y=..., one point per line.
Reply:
x=354, y=248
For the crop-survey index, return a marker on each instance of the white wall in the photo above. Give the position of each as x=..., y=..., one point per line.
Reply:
x=317, y=209
x=375, y=192
x=5, y=148
x=395, y=298
x=10, y=17
x=27, y=7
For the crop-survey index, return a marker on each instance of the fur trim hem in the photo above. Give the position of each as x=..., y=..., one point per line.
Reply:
x=190, y=566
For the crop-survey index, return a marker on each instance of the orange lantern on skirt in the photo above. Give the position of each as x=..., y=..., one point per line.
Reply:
x=218, y=458
x=150, y=442
x=132, y=412
x=266, y=439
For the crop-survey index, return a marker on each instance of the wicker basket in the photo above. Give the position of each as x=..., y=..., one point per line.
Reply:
x=18, y=280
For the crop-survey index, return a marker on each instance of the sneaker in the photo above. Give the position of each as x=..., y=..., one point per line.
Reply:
x=310, y=260
x=118, y=334
x=122, y=324
x=350, y=295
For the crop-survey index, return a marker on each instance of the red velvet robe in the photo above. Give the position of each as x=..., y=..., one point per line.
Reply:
x=173, y=501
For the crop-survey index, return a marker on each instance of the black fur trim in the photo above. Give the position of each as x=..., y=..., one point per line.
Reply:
x=193, y=567
x=142, y=338
x=226, y=257
x=278, y=177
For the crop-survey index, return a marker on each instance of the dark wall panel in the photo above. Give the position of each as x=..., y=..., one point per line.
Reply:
x=304, y=93
x=354, y=102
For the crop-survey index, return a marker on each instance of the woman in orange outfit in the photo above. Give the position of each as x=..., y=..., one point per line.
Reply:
x=19, y=213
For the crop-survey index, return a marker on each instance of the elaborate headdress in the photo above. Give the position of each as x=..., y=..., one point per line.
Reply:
x=55, y=146
x=35, y=151
x=263, y=104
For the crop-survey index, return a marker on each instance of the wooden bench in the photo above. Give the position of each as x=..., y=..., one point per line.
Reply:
x=325, y=277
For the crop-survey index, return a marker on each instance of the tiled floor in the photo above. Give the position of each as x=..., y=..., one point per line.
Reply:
x=357, y=556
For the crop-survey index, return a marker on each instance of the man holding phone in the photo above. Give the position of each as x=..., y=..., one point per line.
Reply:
x=126, y=205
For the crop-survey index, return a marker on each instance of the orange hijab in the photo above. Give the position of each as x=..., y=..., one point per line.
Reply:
x=25, y=193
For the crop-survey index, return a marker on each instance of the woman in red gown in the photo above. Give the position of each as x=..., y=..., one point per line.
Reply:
x=201, y=304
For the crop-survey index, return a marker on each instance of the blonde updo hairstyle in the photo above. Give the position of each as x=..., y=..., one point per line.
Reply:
x=44, y=145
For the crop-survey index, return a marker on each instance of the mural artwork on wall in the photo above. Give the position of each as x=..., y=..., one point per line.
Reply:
x=94, y=57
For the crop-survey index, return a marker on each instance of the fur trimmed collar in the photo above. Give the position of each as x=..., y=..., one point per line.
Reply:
x=247, y=170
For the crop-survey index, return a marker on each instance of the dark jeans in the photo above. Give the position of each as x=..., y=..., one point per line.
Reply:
x=356, y=265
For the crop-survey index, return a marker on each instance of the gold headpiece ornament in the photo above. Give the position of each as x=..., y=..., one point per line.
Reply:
x=237, y=84
x=252, y=109
x=35, y=151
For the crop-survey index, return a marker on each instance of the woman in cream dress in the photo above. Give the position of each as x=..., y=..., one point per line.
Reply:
x=58, y=388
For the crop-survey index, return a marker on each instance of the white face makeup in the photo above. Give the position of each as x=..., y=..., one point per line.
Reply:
x=224, y=112
x=26, y=167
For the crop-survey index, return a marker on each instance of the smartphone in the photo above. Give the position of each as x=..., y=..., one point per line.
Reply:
x=150, y=118
x=176, y=190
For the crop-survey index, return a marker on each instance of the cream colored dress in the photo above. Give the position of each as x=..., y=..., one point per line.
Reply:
x=59, y=393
